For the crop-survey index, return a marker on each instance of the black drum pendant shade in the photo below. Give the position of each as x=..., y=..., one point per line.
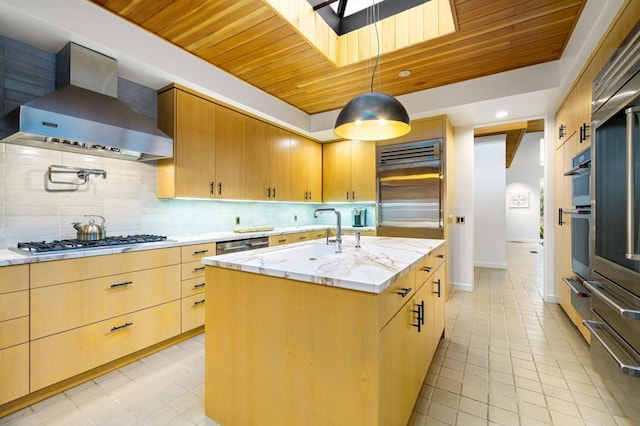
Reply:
x=372, y=116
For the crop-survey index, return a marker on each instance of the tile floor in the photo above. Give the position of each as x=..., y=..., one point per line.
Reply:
x=508, y=359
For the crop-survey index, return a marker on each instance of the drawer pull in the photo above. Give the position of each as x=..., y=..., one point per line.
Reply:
x=303, y=237
x=426, y=268
x=198, y=302
x=438, y=283
x=119, y=327
x=201, y=268
x=199, y=285
x=282, y=241
x=200, y=251
x=404, y=291
x=441, y=256
x=122, y=284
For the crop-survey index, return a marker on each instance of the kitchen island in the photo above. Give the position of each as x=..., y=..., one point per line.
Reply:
x=300, y=334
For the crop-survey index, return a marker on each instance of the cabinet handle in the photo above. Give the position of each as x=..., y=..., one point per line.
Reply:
x=441, y=256
x=309, y=194
x=119, y=327
x=198, y=302
x=220, y=188
x=200, y=251
x=561, y=133
x=420, y=318
x=347, y=195
x=211, y=188
x=426, y=268
x=282, y=241
x=199, y=285
x=122, y=284
x=274, y=193
x=438, y=283
x=404, y=291
x=269, y=192
x=583, y=132
x=353, y=196
x=201, y=268
x=302, y=237
x=560, y=221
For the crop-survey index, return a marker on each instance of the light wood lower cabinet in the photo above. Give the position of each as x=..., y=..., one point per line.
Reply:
x=14, y=332
x=296, y=237
x=286, y=352
x=193, y=284
x=63, y=355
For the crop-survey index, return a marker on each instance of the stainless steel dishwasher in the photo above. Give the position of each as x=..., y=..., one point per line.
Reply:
x=226, y=247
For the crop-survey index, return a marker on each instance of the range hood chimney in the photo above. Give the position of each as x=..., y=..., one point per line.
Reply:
x=84, y=115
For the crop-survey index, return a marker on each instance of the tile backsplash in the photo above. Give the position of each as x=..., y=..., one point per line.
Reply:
x=33, y=209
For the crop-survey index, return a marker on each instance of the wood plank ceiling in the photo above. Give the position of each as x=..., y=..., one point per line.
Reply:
x=248, y=39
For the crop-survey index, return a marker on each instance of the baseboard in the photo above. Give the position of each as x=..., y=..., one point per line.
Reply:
x=551, y=298
x=524, y=240
x=490, y=265
x=463, y=286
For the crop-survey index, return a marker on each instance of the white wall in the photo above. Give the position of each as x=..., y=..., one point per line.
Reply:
x=462, y=235
x=489, y=199
x=523, y=177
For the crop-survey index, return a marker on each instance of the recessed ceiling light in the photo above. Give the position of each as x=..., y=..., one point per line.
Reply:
x=404, y=73
x=501, y=114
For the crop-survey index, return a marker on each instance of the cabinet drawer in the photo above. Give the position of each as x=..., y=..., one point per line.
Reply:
x=192, y=270
x=197, y=251
x=276, y=240
x=14, y=305
x=438, y=255
x=65, y=306
x=14, y=372
x=392, y=299
x=424, y=269
x=63, y=271
x=55, y=358
x=192, y=312
x=14, y=278
x=13, y=332
x=192, y=286
x=317, y=235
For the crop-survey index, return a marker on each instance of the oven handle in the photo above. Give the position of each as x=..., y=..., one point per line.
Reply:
x=602, y=333
x=580, y=169
x=577, y=211
x=625, y=312
x=631, y=247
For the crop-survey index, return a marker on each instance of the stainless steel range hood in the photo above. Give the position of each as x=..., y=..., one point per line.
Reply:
x=84, y=114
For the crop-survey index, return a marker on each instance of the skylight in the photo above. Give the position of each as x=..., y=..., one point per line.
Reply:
x=344, y=16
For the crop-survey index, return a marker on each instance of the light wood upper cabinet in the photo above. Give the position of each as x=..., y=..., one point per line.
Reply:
x=306, y=169
x=230, y=164
x=348, y=171
x=190, y=120
x=268, y=162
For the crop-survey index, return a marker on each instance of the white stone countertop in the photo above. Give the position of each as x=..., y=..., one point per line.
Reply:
x=11, y=257
x=371, y=268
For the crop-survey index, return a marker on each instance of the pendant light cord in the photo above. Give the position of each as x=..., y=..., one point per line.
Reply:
x=375, y=26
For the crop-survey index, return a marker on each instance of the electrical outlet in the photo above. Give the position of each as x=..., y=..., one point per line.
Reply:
x=237, y=220
x=295, y=217
x=460, y=220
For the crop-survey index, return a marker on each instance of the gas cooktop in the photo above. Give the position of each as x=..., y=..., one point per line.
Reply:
x=42, y=247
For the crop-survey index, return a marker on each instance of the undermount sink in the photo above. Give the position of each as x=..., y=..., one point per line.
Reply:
x=300, y=253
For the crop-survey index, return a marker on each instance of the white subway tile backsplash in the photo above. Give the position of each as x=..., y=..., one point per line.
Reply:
x=34, y=210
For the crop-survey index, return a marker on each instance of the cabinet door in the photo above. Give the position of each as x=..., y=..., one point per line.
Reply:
x=14, y=372
x=195, y=147
x=314, y=170
x=258, y=159
x=363, y=171
x=230, y=154
x=336, y=171
x=280, y=165
x=397, y=365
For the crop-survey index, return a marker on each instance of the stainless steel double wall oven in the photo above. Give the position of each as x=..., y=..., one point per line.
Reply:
x=615, y=235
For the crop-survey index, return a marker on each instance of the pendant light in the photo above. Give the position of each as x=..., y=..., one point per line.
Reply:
x=372, y=115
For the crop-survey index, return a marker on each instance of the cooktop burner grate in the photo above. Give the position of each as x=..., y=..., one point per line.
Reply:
x=74, y=244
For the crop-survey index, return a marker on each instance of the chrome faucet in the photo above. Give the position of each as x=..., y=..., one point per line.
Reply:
x=338, y=226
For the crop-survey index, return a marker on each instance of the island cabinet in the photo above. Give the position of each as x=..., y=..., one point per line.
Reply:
x=14, y=332
x=349, y=171
x=268, y=162
x=287, y=352
x=193, y=284
x=306, y=170
x=89, y=311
